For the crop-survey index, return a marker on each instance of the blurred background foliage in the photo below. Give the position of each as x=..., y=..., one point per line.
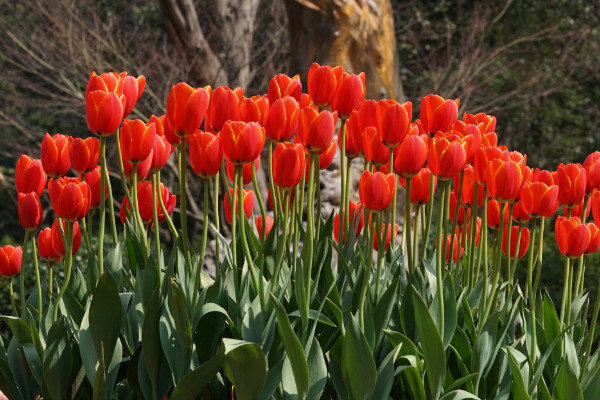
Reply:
x=531, y=63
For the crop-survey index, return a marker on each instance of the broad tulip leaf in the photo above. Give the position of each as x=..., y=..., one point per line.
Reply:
x=358, y=366
x=518, y=389
x=458, y=395
x=192, y=384
x=317, y=371
x=58, y=362
x=19, y=328
x=106, y=316
x=245, y=365
x=385, y=375
x=566, y=385
x=413, y=381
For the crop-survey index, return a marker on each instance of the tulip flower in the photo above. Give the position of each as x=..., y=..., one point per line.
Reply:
x=493, y=213
x=288, y=164
x=30, y=211
x=55, y=155
x=438, y=114
x=246, y=170
x=259, y=225
x=376, y=190
x=29, y=175
x=142, y=169
x=242, y=142
x=161, y=148
x=10, y=260
x=349, y=95
x=395, y=124
x=485, y=123
x=325, y=158
x=104, y=111
x=206, y=153
x=572, y=181
x=132, y=88
x=595, y=201
x=224, y=105
x=84, y=154
x=514, y=235
x=446, y=245
x=469, y=185
x=45, y=246
x=419, y=186
x=482, y=158
x=186, y=109
x=282, y=120
x=573, y=236
x=354, y=146
x=144, y=197
x=539, y=200
x=282, y=85
x=470, y=134
x=356, y=219
x=410, y=156
x=375, y=151
x=137, y=140
x=460, y=220
x=254, y=109
x=577, y=211
x=592, y=170
x=504, y=180
x=70, y=198
x=57, y=238
x=323, y=82
x=93, y=179
x=247, y=203
x=316, y=130
x=388, y=237
x=446, y=158
x=519, y=214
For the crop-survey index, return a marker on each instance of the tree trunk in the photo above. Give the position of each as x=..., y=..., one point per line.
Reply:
x=357, y=34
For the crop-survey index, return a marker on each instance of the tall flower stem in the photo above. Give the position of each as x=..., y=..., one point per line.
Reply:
x=286, y=199
x=183, y=206
x=367, y=279
x=233, y=205
x=343, y=224
x=472, y=239
x=455, y=219
x=136, y=211
x=122, y=168
x=164, y=209
x=415, y=254
x=22, y=273
x=406, y=234
x=509, y=275
x=483, y=244
x=38, y=283
x=274, y=193
x=564, y=305
x=103, y=179
x=159, y=260
x=380, y=250
x=495, y=273
x=429, y=215
x=68, y=261
x=50, y=266
x=261, y=204
x=12, y=296
x=216, y=218
x=590, y=338
x=530, y=293
x=538, y=272
x=439, y=268
x=310, y=222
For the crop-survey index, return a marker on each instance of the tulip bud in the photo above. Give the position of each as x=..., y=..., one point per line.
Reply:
x=10, y=260
x=55, y=155
x=30, y=211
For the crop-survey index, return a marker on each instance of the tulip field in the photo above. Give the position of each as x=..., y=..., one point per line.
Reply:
x=374, y=301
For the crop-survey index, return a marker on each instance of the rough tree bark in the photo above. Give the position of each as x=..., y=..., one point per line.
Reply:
x=357, y=34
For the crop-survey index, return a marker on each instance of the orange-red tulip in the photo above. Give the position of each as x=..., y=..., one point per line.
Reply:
x=142, y=170
x=376, y=190
x=446, y=158
x=573, y=236
x=84, y=154
x=375, y=151
x=460, y=220
x=594, y=240
x=259, y=225
x=514, y=235
x=395, y=124
x=57, y=238
x=493, y=213
x=161, y=148
x=411, y=155
x=468, y=187
x=438, y=114
x=93, y=179
x=388, y=237
x=137, y=140
x=419, y=186
x=246, y=170
x=519, y=214
x=572, y=180
x=70, y=198
x=29, y=175
x=349, y=95
x=356, y=218
x=325, y=158
x=482, y=158
x=45, y=246
x=288, y=164
x=55, y=155
x=354, y=146
x=504, y=180
x=104, y=111
x=323, y=82
x=254, y=109
x=144, y=197
x=206, y=153
x=10, y=260
x=247, y=203
x=592, y=170
x=132, y=88
x=224, y=105
x=446, y=247
x=282, y=85
x=30, y=211
x=316, y=130
x=539, y=200
x=485, y=123
x=282, y=121
x=186, y=109
x=242, y=142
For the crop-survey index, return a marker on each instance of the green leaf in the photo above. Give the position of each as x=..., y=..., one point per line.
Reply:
x=358, y=366
x=152, y=351
x=413, y=381
x=58, y=361
x=484, y=346
x=566, y=385
x=518, y=389
x=432, y=346
x=294, y=350
x=385, y=375
x=315, y=316
x=245, y=365
x=192, y=384
x=396, y=338
x=317, y=371
x=461, y=395
x=106, y=316
x=19, y=328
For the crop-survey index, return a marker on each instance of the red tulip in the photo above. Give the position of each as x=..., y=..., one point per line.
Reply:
x=84, y=154
x=356, y=218
x=539, y=199
x=45, y=246
x=30, y=211
x=254, y=109
x=186, y=108
x=485, y=123
x=282, y=121
x=104, y=111
x=161, y=148
x=388, y=237
x=572, y=182
x=514, y=236
x=577, y=211
x=29, y=175
x=144, y=197
x=573, y=236
x=354, y=146
x=376, y=190
x=468, y=187
x=446, y=247
x=438, y=114
x=504, y=180
x=57, y=238
x=259, y=225
x=246, y=170
x=288, y=164
x=323, y=82
x=349, y=95
x=325, y=158
x=55, y=155
x=411, y=155
x=595, y=239
x=316, y=130
x=137, y=140
x=70, y=198
x=10, y=260
x=520, y=215
x=446, y=158
x=468, y=133
x=282, y=85
x=592, y=170
x=224, y=105
x=242, y=142
x=419, y=186
x=206, y=154
x=395, y=124
x=375, y=151
x=142, y=170
x=132, y=88
x=482, y=158
x=247, y=203
x=93, y=179
x=493, y=213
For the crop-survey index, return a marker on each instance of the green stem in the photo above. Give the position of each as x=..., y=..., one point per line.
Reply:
x=343, y=224
x=103, y=176
x=538, y=272
x=508, y=240
x=159, y=260
x=274, y=193
x=261, y=204
x=37, y=277
x=183, y=207
x=380, y=251
x=136, y=211
x=233, y=206
x=406, y=233
x=483, y=244
x=68, y=263
x=472, y=237
x=286, y=199
x=590, y=338
x=216, y=218
x=206, y=191
x=429, y=216
x=12, y=297
x=164, y=209
x=455, y=220
x=50, y=266
x=310, y=222
x=530, y=293
x=495, y=272
x=367, y=279
x=22, y=273
x=438, y=253
x=415, y=254
x=564, y=313
x=318, y=193
x=122, y=168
